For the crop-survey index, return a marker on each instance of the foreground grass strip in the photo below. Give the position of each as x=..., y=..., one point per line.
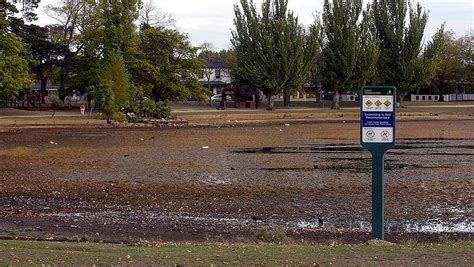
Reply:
x=21, y=252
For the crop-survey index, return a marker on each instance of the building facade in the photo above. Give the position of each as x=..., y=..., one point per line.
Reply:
x=216, y=76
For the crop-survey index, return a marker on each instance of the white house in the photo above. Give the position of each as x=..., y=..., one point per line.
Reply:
x=216, y=76
x=51, y=89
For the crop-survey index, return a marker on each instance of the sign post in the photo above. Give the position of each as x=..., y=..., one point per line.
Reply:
x=377, y=134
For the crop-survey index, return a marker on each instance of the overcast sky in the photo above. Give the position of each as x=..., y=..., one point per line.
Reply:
x=212, y=20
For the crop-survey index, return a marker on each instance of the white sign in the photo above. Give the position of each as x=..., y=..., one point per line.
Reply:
x=377, y=135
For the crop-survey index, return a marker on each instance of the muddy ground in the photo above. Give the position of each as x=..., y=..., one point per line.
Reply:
x=309, y=181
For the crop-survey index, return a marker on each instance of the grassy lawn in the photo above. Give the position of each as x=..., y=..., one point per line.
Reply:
x=33, y=252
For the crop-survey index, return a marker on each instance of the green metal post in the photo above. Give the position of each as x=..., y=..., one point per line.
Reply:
x=377, y=194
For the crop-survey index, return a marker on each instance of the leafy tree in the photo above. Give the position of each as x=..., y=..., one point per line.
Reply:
x=118, y=17
x=455, y=64
x=87, y=44
x=425, y=64
x=14, y=74
x=166, y=65
x=108, y=38
x=350, y=51
x=44, y=54
x=71, y=17
x=27, y=8
x=400, y=27
x=115, y=76
x=118, y=41
x=56, y=103
x=273, y=51
x=315, y=78
x=467, y=47
x=111, y=90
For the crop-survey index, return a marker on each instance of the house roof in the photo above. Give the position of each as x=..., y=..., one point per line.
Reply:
x=216, y=64
x=215, y=83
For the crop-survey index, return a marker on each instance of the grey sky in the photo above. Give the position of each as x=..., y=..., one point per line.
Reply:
x=212, y=20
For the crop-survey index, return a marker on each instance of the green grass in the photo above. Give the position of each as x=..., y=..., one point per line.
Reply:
x=26, y=252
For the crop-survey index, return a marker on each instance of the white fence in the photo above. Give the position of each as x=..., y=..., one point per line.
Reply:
x=418, y=98
x=459, y=97
x=446, y=98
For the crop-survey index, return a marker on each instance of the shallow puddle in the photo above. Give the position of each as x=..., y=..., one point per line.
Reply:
x=435, y=226
x=354, y=167
x=334, y=148
x=432, y=226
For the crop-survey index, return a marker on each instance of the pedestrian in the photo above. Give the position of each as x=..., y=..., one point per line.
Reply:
x=83, y=108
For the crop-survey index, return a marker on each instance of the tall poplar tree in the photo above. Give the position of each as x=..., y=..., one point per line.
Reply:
x=400, y=27
x=274, y=51
x=350, y=50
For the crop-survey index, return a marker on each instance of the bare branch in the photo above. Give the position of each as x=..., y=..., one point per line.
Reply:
x=153, y=16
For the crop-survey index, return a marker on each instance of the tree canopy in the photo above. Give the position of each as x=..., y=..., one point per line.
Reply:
x=167, y=65
x=456, y=63
x=274, y=51
x=350, y=50
x=126, y=52
x=400, y=27
x=14, y=69
x=119, y=63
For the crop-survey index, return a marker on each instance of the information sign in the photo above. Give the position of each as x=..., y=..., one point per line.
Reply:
x=377, y=134
x=378, y=119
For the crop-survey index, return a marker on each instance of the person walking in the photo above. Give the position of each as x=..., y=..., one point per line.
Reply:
x=83, y=108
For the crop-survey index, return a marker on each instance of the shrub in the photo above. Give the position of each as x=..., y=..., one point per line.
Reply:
x=12, y=233
x=99, y=116
x=119, y=117
x=148, y=108
x=163, y=110
x=56, y=103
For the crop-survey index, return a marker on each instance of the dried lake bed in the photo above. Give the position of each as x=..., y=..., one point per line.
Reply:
x=311, y=181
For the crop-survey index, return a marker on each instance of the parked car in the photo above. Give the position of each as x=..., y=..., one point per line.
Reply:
x=218, y=98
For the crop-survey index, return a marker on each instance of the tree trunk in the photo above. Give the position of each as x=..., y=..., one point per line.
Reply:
x=257, y=100
x=401, y=96
x=286, y=97
x=318, y=95
x=62, y=82
x=91, y=105
x=442, y=91
x=270, y=99
x=440, y=83
x=335, y=100
x=209, y=89
x=43, y=91
x=63, y=73
x=157, y=94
